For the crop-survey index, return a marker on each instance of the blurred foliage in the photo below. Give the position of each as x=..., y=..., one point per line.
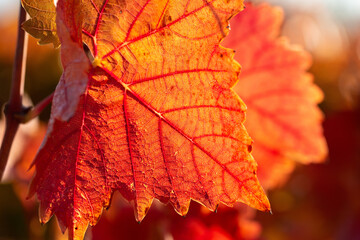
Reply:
x=13, y=224
x=336, y=58
x=322, y=201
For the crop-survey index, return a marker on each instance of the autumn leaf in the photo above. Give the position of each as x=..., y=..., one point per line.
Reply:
x=74, y=79
x=42, y=24
x=226, y=223
x=161, y=223
x=282, y=117
x=158, y=118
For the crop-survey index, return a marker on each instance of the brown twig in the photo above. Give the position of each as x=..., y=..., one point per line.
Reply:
x=35, y=111
x=14, y=106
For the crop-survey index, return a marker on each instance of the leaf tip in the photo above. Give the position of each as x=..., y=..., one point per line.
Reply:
x=140, y=213
x=264, y=205
x=45, y=213
x=183, y=210
x=76, y=230
x=216, y=208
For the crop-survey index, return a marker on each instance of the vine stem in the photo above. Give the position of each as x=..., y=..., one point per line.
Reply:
x=15, y=106
x=35, y=111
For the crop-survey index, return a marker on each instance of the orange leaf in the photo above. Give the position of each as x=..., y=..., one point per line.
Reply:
x=158, y=118
x=282, y=117
x=42, y=24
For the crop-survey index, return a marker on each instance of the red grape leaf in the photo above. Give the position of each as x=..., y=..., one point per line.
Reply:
x=74, y=79
x=282, y=117
x=42, y=24
x=228, y=223
x=158, y=118
x=68, y=23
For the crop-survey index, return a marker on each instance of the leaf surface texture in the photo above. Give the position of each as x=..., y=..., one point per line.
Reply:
x=158, y=118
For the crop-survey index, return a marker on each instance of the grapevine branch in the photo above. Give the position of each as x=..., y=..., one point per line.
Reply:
x=15, y=111
x=14, y=106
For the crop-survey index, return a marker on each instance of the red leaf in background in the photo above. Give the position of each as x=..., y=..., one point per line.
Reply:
x=282, y=117
x=325, y=198
x=227, y=223
x=195, y=229
x=158, y=118
x=162, y=223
